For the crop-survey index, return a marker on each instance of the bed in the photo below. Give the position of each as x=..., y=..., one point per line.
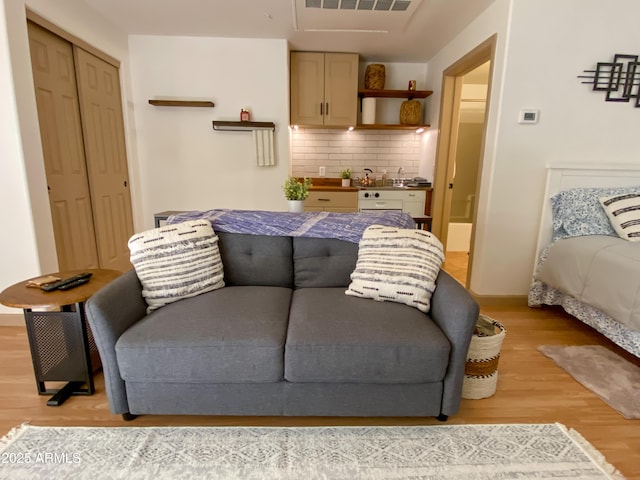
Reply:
x=582, y=263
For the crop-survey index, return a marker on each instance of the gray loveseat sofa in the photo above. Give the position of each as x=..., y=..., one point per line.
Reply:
x=282, y=338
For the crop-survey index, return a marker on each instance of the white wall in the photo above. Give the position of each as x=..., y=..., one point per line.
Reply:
x=27, y=242
x=184, y=163
x=548, y=44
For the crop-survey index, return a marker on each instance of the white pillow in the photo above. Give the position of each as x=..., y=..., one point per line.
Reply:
x=176, y=261
x=397, y=265
x=624, y=214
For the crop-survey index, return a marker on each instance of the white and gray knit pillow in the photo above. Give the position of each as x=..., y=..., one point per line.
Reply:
x=176, y=261
x=397, y=265
x=623, y=212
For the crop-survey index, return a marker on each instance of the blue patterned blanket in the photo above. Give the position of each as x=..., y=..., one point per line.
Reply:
x=343, y=226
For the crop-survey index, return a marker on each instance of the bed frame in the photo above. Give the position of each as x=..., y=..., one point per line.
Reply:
x=562, y=177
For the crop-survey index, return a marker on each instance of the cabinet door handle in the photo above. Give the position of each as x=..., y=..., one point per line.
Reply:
x=326, y=110
x=321, y=105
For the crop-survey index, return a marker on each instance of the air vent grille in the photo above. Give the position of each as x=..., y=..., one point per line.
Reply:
x=377, y=5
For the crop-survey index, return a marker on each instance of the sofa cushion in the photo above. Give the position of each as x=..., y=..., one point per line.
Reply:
x=176, y=261
x=231, y=335
x=256, y=259
x=397, y=265
x=336, y=338
x=323, y=262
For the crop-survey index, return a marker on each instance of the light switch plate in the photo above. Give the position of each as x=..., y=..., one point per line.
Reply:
x=322, y=172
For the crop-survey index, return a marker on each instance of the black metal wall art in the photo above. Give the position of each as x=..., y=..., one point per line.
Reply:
x=620, y=78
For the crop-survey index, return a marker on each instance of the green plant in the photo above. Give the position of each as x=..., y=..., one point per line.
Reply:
x=296, y=190
x=346, y=173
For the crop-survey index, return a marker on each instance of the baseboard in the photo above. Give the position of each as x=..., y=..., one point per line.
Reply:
x=11, y=320
x=501, y=300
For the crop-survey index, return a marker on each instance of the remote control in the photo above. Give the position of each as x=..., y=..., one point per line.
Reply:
x=77, y=283
x=56, y=285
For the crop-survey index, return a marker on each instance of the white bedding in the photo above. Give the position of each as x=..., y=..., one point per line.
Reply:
x=598, y=270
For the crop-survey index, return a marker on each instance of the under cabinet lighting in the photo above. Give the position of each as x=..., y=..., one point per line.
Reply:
x=420, y=130
x=350, y=128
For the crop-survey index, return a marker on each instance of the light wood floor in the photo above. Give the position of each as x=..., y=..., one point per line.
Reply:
x=455, y=264
x=531, y=389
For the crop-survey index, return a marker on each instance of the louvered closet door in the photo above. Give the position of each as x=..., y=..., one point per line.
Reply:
x=62, y=145
x=103, y=127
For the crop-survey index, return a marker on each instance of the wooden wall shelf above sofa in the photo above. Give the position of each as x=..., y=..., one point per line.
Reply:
x=362, y=93
x=181, y=103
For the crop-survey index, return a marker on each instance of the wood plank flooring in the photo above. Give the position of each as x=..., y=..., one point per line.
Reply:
x=531, y=389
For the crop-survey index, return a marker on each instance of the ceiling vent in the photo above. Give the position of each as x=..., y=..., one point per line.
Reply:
x=377, y=5
x=353, y=15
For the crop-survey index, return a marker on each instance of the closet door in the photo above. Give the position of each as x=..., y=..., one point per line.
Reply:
x=63, y=150
x=103, y=128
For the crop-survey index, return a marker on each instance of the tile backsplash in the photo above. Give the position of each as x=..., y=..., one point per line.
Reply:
x=336, y=150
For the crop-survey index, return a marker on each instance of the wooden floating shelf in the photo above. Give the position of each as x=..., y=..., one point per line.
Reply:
x=389, y=127
x=242, y=126
x=394, y=93
x=181, y=103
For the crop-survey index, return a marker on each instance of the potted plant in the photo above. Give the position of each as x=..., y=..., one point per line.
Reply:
x=296, y=193
x=346, y=177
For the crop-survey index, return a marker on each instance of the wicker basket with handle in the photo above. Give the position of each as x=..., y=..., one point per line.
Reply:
x=410, y=112
x=481, y=369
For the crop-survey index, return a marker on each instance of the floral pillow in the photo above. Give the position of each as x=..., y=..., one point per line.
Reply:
x=578, y=211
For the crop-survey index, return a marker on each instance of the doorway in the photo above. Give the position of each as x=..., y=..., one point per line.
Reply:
x=459, y=154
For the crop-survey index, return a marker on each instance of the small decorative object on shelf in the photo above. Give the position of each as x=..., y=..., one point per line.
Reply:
x=412, y=85
x=296, y=193
x=346, y=177
x=410, y=112
x=245, y=115
x=374, y=76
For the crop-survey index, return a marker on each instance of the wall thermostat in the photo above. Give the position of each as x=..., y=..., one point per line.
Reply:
x=528, y=116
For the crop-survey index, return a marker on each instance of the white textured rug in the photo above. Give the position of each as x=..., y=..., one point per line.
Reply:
x=466, y=452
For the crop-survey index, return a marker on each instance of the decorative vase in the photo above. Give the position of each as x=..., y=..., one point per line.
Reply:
x=296, y=206
x=346, y=182
x=374, y=77
x=410, y=112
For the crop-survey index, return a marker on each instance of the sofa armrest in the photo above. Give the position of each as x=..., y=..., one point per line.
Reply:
x=111, y=311
x=455, y=311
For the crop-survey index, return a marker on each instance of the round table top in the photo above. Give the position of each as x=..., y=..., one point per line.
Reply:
x=21, y=296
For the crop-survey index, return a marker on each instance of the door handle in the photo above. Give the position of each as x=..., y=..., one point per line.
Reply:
x=450, y=186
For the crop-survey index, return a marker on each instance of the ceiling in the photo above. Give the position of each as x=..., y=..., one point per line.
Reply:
x=379, y=30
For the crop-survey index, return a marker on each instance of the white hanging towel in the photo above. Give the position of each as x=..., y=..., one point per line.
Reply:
x=264, y=147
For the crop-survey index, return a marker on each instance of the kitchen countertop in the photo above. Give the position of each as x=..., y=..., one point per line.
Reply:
x=330, y=188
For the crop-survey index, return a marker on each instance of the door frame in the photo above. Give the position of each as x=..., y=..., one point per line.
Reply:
x=448, y=136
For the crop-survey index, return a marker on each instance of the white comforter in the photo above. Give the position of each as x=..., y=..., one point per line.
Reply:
x=601, y=271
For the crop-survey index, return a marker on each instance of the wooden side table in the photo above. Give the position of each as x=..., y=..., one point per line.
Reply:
x=60, y=339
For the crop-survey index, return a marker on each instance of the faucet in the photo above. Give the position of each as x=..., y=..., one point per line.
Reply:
x=401, y=171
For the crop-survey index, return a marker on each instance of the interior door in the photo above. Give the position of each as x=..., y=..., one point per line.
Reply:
x=62, y=144
x=105, y=151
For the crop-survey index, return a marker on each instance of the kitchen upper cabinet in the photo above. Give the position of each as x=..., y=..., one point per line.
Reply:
x=324, y=89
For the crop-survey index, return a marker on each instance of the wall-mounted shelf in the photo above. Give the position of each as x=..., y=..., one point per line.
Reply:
x=389, y=127
x=410, y=94
x=181, y=103
x=243, y=126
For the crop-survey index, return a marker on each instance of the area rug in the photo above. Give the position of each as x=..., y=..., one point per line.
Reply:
x=469, y=452
x=611, y=377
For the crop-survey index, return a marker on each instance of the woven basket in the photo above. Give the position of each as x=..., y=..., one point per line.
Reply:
x=410, y=112
x=374, y=77
x=481, y=369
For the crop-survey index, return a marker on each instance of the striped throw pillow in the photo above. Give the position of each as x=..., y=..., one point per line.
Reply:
x=624, y=214
x=397, y=265
x=176, y=261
